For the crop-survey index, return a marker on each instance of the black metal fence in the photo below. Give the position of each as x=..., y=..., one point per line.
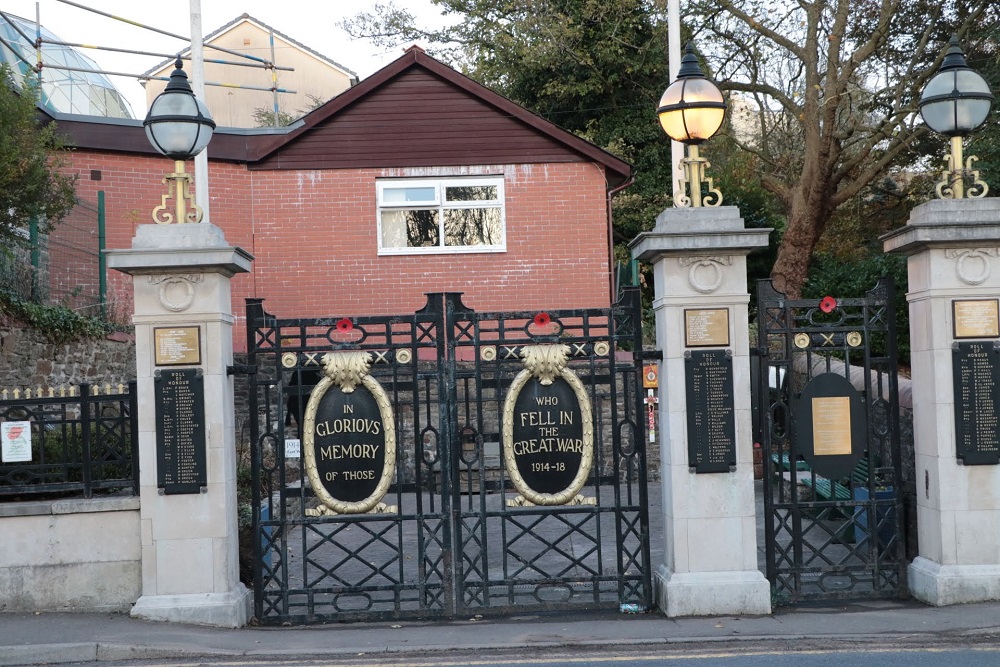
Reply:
x=77, y=440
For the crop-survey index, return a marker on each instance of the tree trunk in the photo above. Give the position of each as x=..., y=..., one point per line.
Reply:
x=806, y=222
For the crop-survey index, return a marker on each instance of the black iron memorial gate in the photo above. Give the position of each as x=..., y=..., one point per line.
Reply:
x=447, y=462
x=827, y=410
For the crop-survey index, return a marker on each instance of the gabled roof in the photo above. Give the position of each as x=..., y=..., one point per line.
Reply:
x=416, y=60
x=539, y=141
x=168, y=63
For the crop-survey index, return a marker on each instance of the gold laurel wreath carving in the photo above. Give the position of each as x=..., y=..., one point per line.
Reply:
x=347, y=370
x=546, y=362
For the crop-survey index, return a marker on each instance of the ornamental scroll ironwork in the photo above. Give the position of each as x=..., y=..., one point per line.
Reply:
x=946, y=186
x=346, y=372
x=547, y=364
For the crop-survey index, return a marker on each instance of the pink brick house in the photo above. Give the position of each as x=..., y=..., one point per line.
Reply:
x=416, y=180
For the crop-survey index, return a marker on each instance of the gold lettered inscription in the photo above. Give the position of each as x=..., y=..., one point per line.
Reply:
x=706, y=327
x=350, y=436
x=831, y=421
x=548, y=431
x=177, y=346
x=976, y=318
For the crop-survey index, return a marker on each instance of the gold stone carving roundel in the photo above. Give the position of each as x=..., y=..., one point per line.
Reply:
x=349, y=435
x=854, y=338
x=548, y=430
x=802, y=340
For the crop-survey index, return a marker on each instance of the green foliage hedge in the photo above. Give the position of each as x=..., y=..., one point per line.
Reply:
x=58, y=324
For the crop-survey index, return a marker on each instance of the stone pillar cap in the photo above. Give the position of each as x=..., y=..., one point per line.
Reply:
x=698, y=230
x=947, y=223
x=192, y=248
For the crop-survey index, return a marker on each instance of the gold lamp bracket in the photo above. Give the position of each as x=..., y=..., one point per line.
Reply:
x=179, y=187
x=695, y=166
x=953, y=177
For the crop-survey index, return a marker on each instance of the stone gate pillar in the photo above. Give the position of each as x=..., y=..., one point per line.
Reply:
x=699, y=267
x=953, y=262
x=187, y=456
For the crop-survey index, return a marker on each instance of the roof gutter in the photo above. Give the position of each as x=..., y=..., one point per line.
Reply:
x=611, y=235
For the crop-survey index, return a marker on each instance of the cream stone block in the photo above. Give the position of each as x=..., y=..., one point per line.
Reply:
x=716, y=544
x=226, y=574
x=678, y=550
x=918, y=273
x=983, y=489
x=744, y=592
x=221, y=462
x=711, y=495
x=921, y=327
x=930, y=534
x=977, y=537
x=941, y=585
x=185, y=566
x=182, y=516
x=231, y=609
x=941, y=372
x=928, y=479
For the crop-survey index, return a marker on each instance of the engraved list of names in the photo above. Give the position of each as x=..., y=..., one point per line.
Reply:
x=711, y=418
x=976, y=368
x=180, y=431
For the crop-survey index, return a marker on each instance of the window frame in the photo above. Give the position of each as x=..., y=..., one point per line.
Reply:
x=439, y=204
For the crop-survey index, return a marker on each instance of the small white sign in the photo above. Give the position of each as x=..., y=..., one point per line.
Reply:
x=293, y=448
x=15, y=442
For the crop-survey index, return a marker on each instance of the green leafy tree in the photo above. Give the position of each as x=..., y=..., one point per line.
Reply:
x=835, y=85
x=266, y=117
x=32, y=157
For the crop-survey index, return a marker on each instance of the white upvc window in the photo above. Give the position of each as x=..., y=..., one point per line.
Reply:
x=440, y=215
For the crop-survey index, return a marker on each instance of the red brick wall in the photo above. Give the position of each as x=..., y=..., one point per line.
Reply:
x=314, y=236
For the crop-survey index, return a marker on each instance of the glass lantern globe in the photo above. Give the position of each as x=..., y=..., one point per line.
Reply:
x=957, y=100
x=178, y=124
x=692, y=108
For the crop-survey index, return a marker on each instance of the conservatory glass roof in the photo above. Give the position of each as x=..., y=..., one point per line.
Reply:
x=63, y=90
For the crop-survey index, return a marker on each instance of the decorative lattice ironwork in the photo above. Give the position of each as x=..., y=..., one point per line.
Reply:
x=449, y=538
x=840, y=537
x=82, y=440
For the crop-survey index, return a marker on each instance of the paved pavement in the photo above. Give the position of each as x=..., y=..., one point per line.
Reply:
x=31, y=639
x=53, y=638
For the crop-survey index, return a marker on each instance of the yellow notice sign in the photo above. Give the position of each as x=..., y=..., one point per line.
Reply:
x=831, y=418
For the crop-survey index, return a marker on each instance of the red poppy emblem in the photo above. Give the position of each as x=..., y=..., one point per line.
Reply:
x=828, y=304
x=345, y=325
x=541, y=319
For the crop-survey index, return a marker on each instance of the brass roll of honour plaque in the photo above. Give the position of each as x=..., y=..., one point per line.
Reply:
x=548, y=430
x=350, y=437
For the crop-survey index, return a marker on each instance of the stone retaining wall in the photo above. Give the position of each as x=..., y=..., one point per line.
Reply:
x=28, y=360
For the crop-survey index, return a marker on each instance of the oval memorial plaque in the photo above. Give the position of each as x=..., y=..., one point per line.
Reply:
x=548, y=435
x=349, y=434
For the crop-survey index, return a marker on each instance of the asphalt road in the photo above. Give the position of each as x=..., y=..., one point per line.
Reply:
x=769, y=654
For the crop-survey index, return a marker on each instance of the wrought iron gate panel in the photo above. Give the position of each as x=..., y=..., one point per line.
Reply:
x=341, y=567
x=453, y=546
x=558, y=556
x=830, y=538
